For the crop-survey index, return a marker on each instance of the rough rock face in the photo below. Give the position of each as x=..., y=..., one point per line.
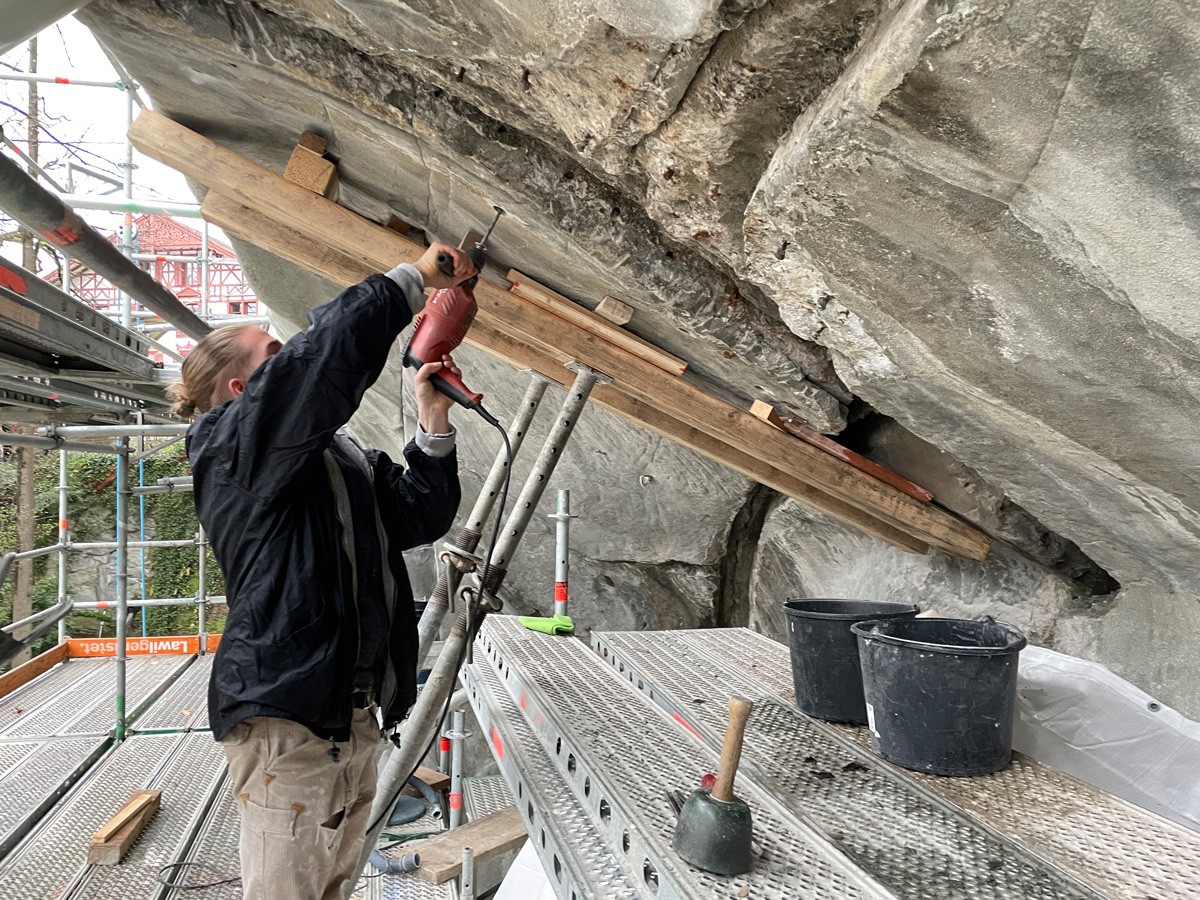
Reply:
x=977, y=218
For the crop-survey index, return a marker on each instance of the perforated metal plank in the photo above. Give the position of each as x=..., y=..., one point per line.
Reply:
x=618, y=748
x=215, y=849
x=184, y=705
x=94, y=711
x=485, y=795
x=34, y=774
x=1120, y=850
x=188, y=782
x=51, y=859
x=570, y=839
x=28, y=700
x=913, y=843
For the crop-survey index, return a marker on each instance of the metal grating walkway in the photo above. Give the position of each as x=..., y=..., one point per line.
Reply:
x=619, y=753
x=79, y=696
x=1118, y=849
x=605, y=732
x=184, y=705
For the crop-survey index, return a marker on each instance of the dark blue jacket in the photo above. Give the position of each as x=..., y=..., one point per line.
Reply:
x=263, y=493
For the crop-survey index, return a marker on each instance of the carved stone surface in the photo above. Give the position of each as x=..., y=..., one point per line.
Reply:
x=978, y=218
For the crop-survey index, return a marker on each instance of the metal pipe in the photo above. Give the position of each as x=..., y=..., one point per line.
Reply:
x=127, y=225
x=562, y=551
x=466, y=880
x=29, y=161
x=102, y=431
x=64, y=536
x=52, y=79
x=444, y=754
x=204, y=270
x=163, y=446
x=151, y=601
x=539, y=475
x=162, y=489
x=133, y=545
x=49, y=443
x=128, y=205
x=34, y=554
x=457, y=738
x=469, y=535
x=202, y=589
x=122, y=578
x=40, y=211
x=198, y=258
x=40, y=614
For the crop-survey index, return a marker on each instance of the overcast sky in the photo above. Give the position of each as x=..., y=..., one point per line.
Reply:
x=90, y=119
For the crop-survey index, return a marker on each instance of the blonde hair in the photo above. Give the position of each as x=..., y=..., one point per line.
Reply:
x=202, y=370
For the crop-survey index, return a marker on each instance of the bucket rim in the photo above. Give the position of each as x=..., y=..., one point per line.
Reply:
x=899, y=610
x=1016, y=639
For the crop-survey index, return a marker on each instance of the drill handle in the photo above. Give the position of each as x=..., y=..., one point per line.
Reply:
x=445, y=264
x=452, y=386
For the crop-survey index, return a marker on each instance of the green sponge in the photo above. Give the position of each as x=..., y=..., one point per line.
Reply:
x=554, y=625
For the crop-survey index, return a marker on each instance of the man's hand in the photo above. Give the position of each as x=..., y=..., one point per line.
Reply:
x=427, y=265
x=433, y=407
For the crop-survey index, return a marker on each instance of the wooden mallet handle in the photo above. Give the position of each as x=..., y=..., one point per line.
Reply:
x=731, y=750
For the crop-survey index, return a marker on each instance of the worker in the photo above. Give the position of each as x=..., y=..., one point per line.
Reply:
x=319, y=648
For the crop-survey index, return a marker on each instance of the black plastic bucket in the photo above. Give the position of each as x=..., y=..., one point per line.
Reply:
x=941, y=693
x=825, y=668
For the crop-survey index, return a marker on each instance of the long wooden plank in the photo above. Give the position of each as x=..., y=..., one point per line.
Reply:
x=261, y=189
x=250, y=225
x=556, y=303
x=441, y=856
x=30, y=670
x=135, y=804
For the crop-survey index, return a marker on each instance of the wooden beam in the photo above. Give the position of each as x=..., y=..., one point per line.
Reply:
x=113, y=841
x=358, y=239
x=441, y=856
x=30, y=670
x=584, y=318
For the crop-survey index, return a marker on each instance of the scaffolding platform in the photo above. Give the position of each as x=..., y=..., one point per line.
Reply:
x=590, y=741
x=62, y=777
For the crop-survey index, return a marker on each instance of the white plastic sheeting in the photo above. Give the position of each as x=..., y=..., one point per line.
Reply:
x=1078, y=717
x=526, y=880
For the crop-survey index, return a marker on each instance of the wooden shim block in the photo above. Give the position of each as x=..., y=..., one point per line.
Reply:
x=432, y=777
x=470, y=239
x=806, y=432
x=397, y=224
x=614, y=310
x=312, y=171
x=441, y=856
x=30, y=670
x=327, y=226
x=761, y=409
x=113, y=841
x=584, y=318
x=310, y=140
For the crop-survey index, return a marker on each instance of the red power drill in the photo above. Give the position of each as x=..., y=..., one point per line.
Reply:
x=443, y=323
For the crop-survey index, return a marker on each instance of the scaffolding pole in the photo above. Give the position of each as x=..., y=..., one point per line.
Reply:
x=64, y=535
x=122, y=578
x=58, y=79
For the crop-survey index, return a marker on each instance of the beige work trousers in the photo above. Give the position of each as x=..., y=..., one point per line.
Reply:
x=304, y=814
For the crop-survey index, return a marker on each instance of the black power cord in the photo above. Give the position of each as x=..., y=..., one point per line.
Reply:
x=473, y=624
x=164, y=878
